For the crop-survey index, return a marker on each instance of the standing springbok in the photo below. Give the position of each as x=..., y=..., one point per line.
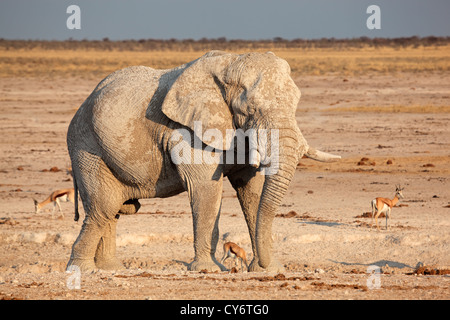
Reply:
x=385, y=205
x=232, y=248
x=64, y=195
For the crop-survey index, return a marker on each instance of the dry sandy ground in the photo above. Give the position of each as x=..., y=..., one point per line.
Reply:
x=324, y=245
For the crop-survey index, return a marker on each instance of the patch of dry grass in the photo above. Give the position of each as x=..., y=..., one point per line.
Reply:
x=37, y=62
x=392, y=109
x=354, y=61
x=87, y=63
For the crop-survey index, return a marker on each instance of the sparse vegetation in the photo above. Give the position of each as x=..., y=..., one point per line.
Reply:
x=307, y=57
x=222, y=43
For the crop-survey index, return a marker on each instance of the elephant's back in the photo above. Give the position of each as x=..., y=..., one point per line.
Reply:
x=125, y=89
x=120, y=101
x=128, y=78
x=120, y=94
x=115, y=113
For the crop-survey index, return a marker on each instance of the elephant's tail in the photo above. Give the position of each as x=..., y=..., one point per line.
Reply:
x=75, y=188
x=320, y=155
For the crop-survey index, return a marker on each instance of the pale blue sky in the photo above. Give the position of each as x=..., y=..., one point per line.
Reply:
x=233, y=19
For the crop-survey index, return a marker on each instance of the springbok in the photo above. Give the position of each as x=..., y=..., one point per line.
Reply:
x=64, y=195
x=385, y=205
x=232, y=248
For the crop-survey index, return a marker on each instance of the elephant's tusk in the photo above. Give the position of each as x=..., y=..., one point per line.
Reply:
x=321, y=156
x=255, y=158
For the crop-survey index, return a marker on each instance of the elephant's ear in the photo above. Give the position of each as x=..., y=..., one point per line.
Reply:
x=196, y=98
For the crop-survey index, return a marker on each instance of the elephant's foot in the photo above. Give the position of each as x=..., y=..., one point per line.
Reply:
x=210, y=265
x=84, y=265
x=274, y=266
x=109, y=264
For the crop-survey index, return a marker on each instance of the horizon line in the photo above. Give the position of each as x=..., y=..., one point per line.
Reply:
x=225, y=39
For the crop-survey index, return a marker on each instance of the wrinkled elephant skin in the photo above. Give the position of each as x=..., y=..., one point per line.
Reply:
x=145, y=133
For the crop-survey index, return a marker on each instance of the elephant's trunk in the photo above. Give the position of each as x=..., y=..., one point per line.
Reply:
x=291, y=146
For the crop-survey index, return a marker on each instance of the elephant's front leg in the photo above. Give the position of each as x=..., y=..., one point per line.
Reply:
x=206, y=199
x=248, y=184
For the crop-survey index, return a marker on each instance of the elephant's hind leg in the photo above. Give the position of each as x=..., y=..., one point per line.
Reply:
x=95, y=247
x=84, y=248
x=105, y=255
x=102, y=197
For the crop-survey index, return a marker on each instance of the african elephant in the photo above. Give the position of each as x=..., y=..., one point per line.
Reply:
x=130, y=138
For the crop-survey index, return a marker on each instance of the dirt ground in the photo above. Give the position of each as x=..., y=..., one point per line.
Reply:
x=320, y=234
